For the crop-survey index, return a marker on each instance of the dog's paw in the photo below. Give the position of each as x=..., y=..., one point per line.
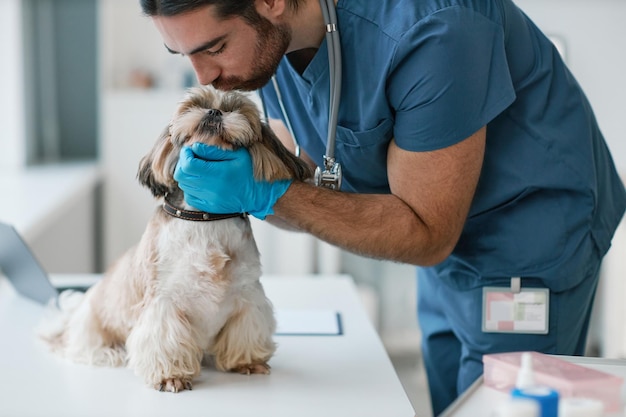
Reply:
x=253, y=368
x=174, y=385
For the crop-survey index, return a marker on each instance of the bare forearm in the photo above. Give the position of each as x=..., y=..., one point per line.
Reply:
x=374, y=225
x=419, y=222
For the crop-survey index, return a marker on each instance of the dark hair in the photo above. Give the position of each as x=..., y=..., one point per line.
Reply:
x=223, y=8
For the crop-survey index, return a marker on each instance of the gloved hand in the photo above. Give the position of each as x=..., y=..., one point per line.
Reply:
x=219, y=181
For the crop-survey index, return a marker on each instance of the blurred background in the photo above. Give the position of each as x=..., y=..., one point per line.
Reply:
x=87, y=86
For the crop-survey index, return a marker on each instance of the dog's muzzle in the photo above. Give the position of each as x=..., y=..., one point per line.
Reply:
x=211, y=122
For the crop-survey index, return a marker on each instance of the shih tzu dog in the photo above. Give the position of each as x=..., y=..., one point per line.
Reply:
x=189, y=290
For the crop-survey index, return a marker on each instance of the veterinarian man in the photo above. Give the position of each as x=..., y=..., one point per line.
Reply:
x=467, y=148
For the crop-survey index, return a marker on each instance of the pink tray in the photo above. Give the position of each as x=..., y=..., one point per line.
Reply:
x=569, y=379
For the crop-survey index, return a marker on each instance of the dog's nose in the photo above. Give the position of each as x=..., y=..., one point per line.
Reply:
x=211, y=120
x=212, y=116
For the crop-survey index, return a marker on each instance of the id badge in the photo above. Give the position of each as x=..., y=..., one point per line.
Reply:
x=523, y=311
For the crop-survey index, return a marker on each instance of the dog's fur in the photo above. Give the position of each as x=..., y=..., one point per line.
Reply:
x=190, y=289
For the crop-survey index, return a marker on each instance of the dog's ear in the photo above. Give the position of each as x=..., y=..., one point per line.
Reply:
x=272, y=161
x=156, y=168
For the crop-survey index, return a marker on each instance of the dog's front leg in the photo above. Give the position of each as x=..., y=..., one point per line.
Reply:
x=245, y=343
x=162, y=349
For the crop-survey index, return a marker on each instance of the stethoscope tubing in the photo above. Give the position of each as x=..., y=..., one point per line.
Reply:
x=335, y=69
x=284, y=112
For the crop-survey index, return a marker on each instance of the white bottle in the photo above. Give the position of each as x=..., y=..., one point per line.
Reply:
x=546, y=398
x=518, y=407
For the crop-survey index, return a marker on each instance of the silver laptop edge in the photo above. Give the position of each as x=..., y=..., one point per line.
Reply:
x=21, y=267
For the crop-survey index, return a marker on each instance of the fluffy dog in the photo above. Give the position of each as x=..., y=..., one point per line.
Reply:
x=189, y=289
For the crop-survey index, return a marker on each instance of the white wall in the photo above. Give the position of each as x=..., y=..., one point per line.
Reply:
x=66, y=245
x=12, y=143
x=130, y=42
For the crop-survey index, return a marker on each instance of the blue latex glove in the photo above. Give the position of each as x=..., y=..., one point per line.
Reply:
x=219, y=181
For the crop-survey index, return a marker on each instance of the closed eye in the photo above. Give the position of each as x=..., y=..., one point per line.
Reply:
x=215, y=52
x=207, y=47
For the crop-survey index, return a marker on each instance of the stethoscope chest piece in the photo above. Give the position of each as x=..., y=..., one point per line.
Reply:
x=331, y=176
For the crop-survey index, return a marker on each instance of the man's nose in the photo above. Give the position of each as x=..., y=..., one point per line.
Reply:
x=206, y=71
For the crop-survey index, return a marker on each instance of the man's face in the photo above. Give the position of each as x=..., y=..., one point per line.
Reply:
x=229, y=54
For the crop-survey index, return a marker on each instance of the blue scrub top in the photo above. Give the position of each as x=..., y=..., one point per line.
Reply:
x=429, y=73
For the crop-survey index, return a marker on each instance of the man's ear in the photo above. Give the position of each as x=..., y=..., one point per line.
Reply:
x=271, y=9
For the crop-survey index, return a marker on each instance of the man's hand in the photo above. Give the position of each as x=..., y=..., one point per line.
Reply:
x=220, y=181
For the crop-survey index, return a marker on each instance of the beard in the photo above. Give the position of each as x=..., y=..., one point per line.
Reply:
x=271, y=44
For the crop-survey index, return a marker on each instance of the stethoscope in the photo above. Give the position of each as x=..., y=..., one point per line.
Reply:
x=330, y=175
